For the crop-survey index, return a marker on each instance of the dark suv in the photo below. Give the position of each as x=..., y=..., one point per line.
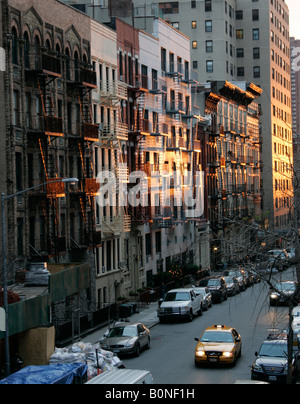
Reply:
x=271, y=364
x=218, y=289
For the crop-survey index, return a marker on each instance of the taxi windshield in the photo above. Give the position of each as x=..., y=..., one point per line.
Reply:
x=217, y=336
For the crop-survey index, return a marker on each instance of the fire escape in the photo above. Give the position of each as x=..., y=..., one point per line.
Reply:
x=114, y=137
x=43, y=71
x=81, y=140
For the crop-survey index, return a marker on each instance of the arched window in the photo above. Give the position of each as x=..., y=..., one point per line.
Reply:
x=68, y=61
x=15, y=46
x=37, y=47
x=26, y=50
x=76, y=66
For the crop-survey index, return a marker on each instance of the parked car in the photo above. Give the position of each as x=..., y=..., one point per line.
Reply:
x=127, y=339
x=218, y=289
x=206, y=295
x=271, y=364
x=249, y=278
x=233, y=287
x=283, y=292
x=180, y=303
x=240, y=276
x=277, y=255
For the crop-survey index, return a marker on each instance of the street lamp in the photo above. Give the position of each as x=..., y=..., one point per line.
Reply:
x=5, y=198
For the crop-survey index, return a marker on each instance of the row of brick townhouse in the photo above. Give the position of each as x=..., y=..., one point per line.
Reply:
x=163, y=163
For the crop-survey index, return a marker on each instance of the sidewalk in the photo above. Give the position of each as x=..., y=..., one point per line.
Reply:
x=147, y=316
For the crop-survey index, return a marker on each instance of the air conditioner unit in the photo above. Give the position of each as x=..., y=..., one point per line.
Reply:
x=121, y=265
x=103, y=270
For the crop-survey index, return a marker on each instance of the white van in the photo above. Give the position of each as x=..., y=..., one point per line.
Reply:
x=123, y=376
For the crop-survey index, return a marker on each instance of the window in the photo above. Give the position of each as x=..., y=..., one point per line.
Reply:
x=255, y=15
x=208, y=26
x=239, y=34
x=240, y=53
x=195, y=44
x=256, y=53
x=256, y=71
x=209, y=46
x=16, y=117
x=255, y=34
x=169, y=7
x=240, y=71
x=239, y=14
x=158, y=242
x=148, y=244
x=209, y=66
x=194, y=24
x=208, y=5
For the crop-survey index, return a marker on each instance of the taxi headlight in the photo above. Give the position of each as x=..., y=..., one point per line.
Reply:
x=274, y=295
x=228, y=354
x=200, y=353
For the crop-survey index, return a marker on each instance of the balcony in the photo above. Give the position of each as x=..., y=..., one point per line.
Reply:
x=118, y=131
x=91, y=186
x=116, y=225
x=56, y=189
x=88, y=78
x=51, y=126
x=43, y=65
x=89, y=131
x=112, y=90
x=172, y=144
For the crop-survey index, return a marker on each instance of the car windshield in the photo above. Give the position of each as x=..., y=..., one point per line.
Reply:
x=177, y=297
x=213, y=282
x=217, y=336
x=234, y=273
x=229, y=280
x=127, y=331
x=274, y=350
x=286, y=287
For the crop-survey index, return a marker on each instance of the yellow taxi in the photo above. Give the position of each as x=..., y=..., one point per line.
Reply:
x=218, y=345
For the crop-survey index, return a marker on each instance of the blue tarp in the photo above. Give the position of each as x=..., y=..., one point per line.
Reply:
x=52, y=374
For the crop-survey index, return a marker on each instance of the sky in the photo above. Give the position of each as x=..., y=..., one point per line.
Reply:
x=294, y=6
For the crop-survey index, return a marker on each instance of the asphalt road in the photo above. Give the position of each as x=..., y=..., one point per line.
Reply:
x=171, y=357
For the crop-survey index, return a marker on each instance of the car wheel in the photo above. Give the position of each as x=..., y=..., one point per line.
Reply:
x=137, y=350
x=191, y=316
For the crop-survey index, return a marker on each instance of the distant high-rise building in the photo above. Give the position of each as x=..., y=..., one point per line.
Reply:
x=246, y=41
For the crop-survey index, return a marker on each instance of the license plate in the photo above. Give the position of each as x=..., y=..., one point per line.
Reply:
x=213, y=360
x=116, y=351
x=273, y=378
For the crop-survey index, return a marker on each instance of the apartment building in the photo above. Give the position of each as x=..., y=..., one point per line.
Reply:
x=295, y=83
x=166, y=126
x=263, y=47
x=232, y=151
x=47, y=135
x=242, y=40
x=109, y=158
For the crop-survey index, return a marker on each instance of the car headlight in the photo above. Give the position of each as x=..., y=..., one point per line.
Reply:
x=257, y=367
x=228, y=354
x=185, y=309
x=200, y=353
x=129, y=344
x=274, y=296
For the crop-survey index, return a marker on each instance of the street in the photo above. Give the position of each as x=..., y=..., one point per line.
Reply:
x=171, y=357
